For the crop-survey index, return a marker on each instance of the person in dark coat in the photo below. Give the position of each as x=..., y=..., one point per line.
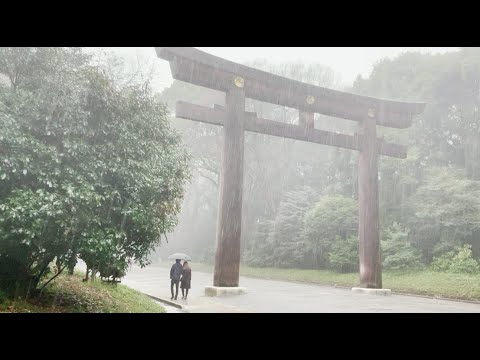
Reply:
x=175, y=275
x=186, y=279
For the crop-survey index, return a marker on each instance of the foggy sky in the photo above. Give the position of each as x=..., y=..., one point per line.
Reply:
x=347, y=62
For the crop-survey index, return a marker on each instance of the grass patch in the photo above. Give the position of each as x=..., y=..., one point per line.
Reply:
x=426, y=283
x=429, y=283
x=323, y=277
x=68, y=294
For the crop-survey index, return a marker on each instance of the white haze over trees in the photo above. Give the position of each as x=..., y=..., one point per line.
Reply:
x=300, y=199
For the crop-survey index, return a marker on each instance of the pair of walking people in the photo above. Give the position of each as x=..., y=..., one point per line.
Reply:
x=180, y=275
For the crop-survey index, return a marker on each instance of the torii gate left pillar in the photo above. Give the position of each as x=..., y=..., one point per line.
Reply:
x=229, y=230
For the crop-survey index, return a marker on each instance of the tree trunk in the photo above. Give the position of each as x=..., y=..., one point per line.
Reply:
x=86, y=274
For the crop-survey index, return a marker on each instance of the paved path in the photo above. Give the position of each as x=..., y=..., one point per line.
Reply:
x=269, y=296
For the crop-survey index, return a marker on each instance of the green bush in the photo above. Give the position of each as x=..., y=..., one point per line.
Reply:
x=278, y=242
x=397, y=252
x=331, y=217
x=457, y=262
x=343, y=257
x=407, y=259
x=443, y=263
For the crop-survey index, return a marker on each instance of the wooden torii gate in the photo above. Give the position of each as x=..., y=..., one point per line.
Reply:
x=238, y=82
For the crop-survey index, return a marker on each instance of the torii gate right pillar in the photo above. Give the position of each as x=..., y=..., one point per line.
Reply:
x=368, y=223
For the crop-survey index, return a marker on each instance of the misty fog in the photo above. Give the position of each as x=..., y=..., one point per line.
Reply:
x=100, y=174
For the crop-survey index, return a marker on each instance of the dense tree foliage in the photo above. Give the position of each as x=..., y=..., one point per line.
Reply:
x=89, y=167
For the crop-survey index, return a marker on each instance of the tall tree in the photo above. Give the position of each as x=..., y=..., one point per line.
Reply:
x=90, y=167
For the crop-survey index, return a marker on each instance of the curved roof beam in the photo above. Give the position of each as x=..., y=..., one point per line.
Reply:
x=203, y=69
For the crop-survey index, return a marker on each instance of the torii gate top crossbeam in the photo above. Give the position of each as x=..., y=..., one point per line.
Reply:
x=200, y=68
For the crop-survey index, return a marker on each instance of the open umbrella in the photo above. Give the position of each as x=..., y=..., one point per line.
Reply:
x=180, y=256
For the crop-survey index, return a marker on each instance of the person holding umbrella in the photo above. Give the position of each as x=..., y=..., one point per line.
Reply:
x=176, y=272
